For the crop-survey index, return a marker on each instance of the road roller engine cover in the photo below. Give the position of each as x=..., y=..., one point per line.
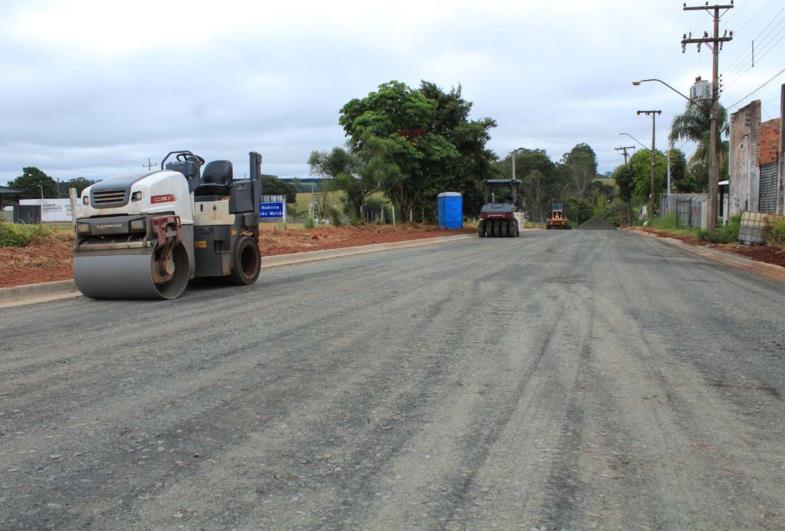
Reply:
x=502, y=214
x=147, y=236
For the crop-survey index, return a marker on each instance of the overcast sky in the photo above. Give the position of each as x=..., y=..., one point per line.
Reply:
x=94, y=88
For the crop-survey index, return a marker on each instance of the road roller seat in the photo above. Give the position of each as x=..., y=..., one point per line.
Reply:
x=216, y=179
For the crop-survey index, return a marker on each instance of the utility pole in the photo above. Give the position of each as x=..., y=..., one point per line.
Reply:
x=624, y=149
x=653, y=156
x=149, y=165
x=714, y=42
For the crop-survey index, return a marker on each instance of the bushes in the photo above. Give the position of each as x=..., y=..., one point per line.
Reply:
x=726, y=234
x=776, y=237
x=14, y=235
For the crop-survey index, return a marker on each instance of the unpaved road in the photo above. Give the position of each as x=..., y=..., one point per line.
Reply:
x=561, y=380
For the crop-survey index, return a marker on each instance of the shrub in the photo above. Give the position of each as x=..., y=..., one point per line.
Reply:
x=14, y=235
x=776, y=237
x=308, y=223
x=726, y=234
x=335, y=216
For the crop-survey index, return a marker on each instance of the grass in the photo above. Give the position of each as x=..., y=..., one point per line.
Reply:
x=667, y=222
x=725, y=234
x=776, y=237
x=16, y=235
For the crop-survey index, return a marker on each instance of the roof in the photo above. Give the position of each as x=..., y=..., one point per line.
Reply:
x=9, y=191
x=502, y=181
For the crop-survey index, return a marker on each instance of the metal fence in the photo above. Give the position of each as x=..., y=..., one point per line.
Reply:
x=767, y=199
x=691, y=208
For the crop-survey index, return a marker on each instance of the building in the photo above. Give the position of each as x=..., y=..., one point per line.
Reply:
x=755, y=168
x=9, y=197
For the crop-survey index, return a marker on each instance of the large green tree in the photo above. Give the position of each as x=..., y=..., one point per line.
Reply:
x=33, y=183
x=640, y=163
x=580, y=165
x=427, y=135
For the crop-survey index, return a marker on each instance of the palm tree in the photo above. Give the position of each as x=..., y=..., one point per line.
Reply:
x=695, y=125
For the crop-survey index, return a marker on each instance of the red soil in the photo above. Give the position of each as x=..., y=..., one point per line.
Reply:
x=49, y=258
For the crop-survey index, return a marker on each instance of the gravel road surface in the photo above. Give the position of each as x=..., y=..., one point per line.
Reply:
x=559, y=380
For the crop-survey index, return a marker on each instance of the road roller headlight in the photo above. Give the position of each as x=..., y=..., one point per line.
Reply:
x=85, y=200
x=137, y=224
x=83, y=228
x=136, y=196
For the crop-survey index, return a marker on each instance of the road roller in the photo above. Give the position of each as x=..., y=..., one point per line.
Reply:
x=147, y=236
x=502, y=214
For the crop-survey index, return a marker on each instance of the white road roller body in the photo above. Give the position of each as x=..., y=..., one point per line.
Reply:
x=147, y=236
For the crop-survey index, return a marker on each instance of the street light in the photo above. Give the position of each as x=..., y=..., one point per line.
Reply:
x=638, y=83
x=670, y=140
x=638, y=141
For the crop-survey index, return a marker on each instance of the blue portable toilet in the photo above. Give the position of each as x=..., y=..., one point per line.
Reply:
x=449, y=208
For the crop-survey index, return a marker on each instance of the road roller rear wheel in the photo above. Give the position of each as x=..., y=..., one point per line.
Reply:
x=175, y=264
x=247, y=262
x=481, y=229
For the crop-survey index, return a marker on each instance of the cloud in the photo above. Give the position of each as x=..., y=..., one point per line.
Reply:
x=94, y=88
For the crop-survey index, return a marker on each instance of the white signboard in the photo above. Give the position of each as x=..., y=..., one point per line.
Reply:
x=51, y=209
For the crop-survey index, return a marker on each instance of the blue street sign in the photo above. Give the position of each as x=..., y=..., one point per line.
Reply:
x=271, y=210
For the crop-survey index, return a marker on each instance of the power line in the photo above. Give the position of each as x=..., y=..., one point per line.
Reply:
x=772, y=78
x=734, y=13
x=754, y=16
x=738, y=63
x=765, y=52
x=766, y=49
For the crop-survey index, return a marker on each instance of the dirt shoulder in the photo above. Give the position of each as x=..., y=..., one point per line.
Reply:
x=761, y=253
x=49, y=258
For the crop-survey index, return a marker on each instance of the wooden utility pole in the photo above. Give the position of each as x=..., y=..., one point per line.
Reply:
x=781, y=156
x=624, y=149
x=653, y=114
x=149, y=165
x=714, y=42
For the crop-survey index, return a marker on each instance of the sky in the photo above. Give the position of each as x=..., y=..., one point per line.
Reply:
x=95, y=88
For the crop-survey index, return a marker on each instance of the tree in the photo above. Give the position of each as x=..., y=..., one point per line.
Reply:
x=33, y=183
x=578, y=210
x=542, y=181
x=581, y=167
x=80, y=183
x=272, y=185
x=358, y=176
x=426, y=141
x=624, y=176
x=694, y=124
x=640, y=162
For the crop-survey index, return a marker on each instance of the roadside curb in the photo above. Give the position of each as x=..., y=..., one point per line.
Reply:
x=771, y=271
x=28, y=291
x=46, y=291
